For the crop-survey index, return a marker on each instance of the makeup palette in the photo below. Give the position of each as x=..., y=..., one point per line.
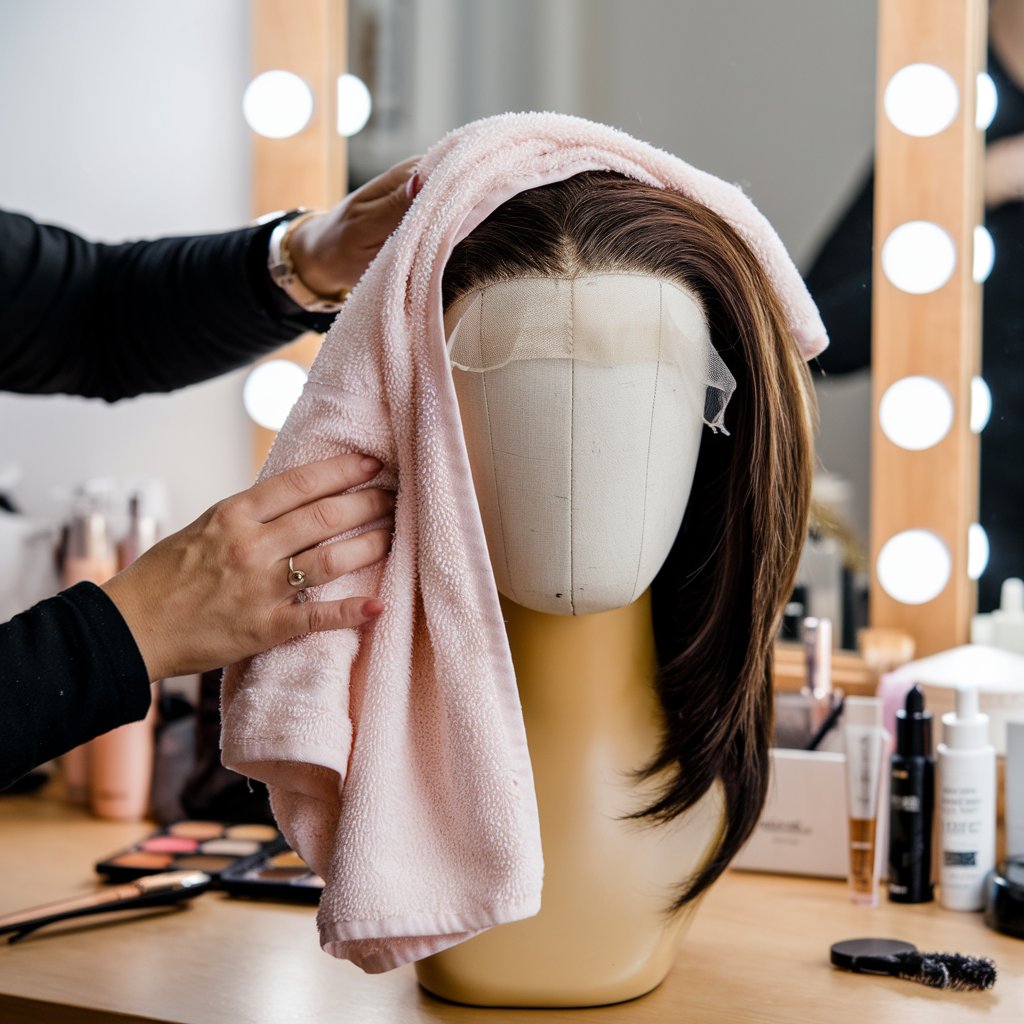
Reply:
x=283, y=875
x=209, y=846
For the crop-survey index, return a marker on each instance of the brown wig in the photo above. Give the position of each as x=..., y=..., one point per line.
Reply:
x=718, y=597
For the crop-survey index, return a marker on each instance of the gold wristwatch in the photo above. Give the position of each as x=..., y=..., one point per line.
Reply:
x=282, y=269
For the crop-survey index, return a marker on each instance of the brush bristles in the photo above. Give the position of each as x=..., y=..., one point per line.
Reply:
x=948, y=970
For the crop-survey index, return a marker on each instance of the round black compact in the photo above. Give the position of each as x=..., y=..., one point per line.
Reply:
x=1004, y=898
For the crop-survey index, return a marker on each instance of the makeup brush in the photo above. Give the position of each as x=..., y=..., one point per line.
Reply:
x=151, y=891
x=903, y=960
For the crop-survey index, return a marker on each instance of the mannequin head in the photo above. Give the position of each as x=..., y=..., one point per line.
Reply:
x=582, y=404
x=719, y=593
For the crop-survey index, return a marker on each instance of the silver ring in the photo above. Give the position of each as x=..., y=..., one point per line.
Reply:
x=296, y=577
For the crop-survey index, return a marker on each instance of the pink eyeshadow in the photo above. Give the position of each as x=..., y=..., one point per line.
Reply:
x=170, y=844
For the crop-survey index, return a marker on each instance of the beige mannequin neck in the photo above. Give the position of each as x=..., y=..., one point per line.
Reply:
x=592, y=718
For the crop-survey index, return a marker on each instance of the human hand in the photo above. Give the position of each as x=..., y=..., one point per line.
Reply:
x=1004, y=171
x=331, y=251
x=218, y=590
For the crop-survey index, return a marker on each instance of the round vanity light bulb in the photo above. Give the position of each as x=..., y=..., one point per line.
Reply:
x=981, y=404
x=977, y=550
x=984, y=253
x=270, y=391
x=918, y=257
x=988, y=101
x=354, y=104
x=921, y=100
x=914, y=566
x=915, y=413
x=277, y=104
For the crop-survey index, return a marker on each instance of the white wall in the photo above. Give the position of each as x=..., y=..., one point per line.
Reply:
x=122, y=119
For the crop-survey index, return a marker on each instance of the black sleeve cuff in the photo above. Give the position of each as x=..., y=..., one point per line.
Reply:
x=72, y=671
x=275, y=301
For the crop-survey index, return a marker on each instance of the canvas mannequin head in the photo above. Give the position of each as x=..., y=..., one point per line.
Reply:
x=583, y=402
x=720, y=590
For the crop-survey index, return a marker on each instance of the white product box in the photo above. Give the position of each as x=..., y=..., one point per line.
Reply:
x=804, y=829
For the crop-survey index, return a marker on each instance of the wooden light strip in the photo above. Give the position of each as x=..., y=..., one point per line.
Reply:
x=308, y=38
x=936, y=179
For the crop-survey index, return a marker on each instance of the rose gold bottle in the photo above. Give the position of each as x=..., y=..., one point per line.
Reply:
x=121, y=761
x=90, y=558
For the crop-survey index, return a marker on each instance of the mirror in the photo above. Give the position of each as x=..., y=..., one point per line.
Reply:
x=775, y=97
x=778, y=97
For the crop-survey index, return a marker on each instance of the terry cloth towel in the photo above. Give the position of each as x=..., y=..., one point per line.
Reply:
x=396, y=758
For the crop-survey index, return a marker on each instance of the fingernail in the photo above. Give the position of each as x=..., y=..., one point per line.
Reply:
x=372, y=608
x=413, y=186
x=369, y=464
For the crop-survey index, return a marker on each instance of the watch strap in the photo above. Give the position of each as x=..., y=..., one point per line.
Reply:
x=282, y=268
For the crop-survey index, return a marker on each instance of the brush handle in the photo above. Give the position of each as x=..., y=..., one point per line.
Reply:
x=153, y=890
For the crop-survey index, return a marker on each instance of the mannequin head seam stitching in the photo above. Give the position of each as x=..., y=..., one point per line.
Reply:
x=572, y=424
x=494, y=468
x=650, y=439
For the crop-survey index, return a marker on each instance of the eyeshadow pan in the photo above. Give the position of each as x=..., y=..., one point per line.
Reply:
x=201, y=862
x=142, y=860
x=277, y=876
x=197, y=829
x=260, y=833
x=287, y=859
x=170, y=844
x=231, y=847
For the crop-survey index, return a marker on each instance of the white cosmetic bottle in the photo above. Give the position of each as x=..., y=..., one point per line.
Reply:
x=967, y=804
x=1008, y=618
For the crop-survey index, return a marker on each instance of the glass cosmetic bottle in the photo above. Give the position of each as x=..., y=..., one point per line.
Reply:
x=911, y=804
x=865, y=740
x=90, y=558
x=121, y=761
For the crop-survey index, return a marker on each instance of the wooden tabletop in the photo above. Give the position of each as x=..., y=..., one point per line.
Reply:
x=757, y=952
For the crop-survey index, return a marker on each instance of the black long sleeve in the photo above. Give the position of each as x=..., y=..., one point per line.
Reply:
x=114, y=321
x=840, y=281
x=71, y=671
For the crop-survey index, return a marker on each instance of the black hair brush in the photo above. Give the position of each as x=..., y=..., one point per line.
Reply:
x=902, y=960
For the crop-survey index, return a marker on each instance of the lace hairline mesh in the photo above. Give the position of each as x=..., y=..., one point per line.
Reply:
x=603, y=318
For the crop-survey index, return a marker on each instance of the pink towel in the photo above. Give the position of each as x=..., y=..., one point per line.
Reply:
x=396, y=758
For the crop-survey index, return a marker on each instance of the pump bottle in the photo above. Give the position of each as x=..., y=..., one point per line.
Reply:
x=121, y=761
x=967, y=806
x=911, y=804
x=90, y=558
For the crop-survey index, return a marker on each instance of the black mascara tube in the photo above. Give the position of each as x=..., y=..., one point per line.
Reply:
x=911, y=804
